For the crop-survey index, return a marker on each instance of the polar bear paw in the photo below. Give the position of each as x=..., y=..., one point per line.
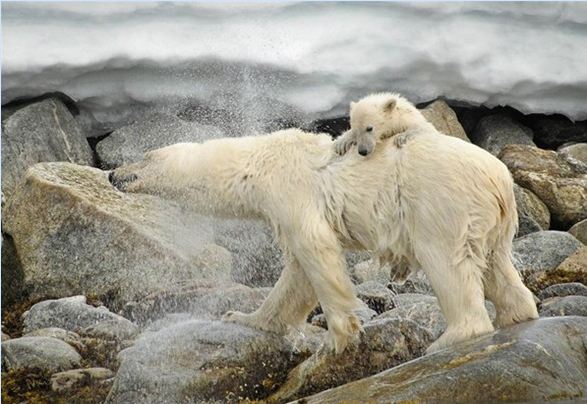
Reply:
x=252, y=321
x=343, y=144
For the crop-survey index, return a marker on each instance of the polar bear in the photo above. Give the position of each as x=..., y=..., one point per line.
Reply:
x=377, y=117
x=439, y=202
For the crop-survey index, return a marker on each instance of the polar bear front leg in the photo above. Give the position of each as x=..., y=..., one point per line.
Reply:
x=321, y=256
x=289, y=303
x=344, y=142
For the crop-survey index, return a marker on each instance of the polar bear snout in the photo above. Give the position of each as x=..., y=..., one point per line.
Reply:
x=121, y=181
x=363, y=151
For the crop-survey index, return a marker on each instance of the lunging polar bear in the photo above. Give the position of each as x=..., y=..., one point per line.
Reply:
x=434, y=200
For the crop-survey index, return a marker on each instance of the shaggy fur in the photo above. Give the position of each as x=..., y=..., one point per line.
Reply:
x=436, y=201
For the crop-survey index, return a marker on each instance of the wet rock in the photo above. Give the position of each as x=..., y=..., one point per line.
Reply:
x=562, y=290
x=572, y=269
x=75, y=378
x=205, y=301
x=386, y=343
x=68, y=337
x=575, y=153
x=561, y=186
x=44, y=131
x=444, y=119
x=533, y=215
x=494, y=132
x=552, y=131
x=129, y=143
x=76, y=234
x=579, y=230
x=38, y=352
x=564, y=306
x=376, y=296
x=531, y=354
x=72, y=314
x=204, y=360
x=257, y=259
x=542, y=251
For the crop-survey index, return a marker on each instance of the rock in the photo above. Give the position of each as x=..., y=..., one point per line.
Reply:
x=12, y=273
x=444, y=119
x=68, y=337
x=75, y=378
x=38, y=352
x=203, y=360
x=494, y=132
x=386, y=343
x=562, y=290
x=111, y=329
x=376, y=296
x=45, y=131
x=129, y=143
x=579, y=230
x=552, y=131
x=533, y=215
x=572, y=269
x=542, y=251
x=370, y=270
x=257, y=259
x=198, y=300
x=575, y=153
x=561, y=186
x=416, y=283
x=564, y=306
x=532, y=361
x=76, y=234
x=5, y=337
x=73, y=314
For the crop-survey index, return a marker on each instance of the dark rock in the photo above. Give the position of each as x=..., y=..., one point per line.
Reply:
x=552, y=131
x=44, y=131
x=12, y=273
x=564, y=306
x=542, y=360
x=202, y=360
x=494, y=132
x=376, y=296
x=562, y=290
x=38, y=352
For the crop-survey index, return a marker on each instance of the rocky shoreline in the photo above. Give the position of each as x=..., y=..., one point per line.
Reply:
x=111, y=297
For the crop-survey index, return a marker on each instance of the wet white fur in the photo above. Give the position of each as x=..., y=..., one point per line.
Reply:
x=443, y=204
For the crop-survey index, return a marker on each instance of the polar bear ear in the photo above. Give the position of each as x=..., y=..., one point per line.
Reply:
x=389, y=105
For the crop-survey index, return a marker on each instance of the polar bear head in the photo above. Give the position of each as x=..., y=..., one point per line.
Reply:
x=381, y=116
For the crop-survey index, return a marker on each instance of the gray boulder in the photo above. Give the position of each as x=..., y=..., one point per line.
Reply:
x=68, y=337
x=552, y=131
x=44, y=131
x=562, y=290
x=129, y=143
x=541, y=251
x=376, y=296
x=564, y=306
x=386, y=343
x=76, y=234
x=575, y=153
x=534, y=361
x=73, y=314
x=38, y=352
x=493, y=132
x=201, y=361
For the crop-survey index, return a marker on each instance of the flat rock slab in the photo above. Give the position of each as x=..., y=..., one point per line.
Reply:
x=200, y=361
x=564, y=306
x=38, y=352
x=534, y=361
x=77, y=235
x=562, y=290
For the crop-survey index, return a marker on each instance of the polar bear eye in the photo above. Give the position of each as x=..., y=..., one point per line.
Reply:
x=369, y=128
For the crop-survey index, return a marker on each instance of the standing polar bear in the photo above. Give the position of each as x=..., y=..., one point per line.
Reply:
x=433, y=200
